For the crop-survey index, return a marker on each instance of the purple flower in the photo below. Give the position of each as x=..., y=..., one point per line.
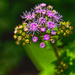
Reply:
x=46, y=37
x=44, y=12
x=39, y=11
x=42, y=20
x=42, y=45
x=53, y=32
x=43, y=29
x=50, y=25
x=37, y=7
x=33, y=15
x=34, y=39
x=56, y=18
x=52, y=41
x=27, y=16
x=43, y=4
x=33, y=27
x=50, y=7
x=50, y=14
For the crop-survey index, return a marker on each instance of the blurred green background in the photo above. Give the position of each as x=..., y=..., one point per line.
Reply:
x=13, y=59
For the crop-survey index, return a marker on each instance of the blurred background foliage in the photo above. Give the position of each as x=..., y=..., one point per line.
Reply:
x=11, y=56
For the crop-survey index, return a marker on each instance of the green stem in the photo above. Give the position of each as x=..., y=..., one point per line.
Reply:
x=56, y=52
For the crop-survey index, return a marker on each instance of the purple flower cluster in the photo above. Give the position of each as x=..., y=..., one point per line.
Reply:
x=33, y=27
x=40, y=20
x=50, y=25
x=50, y=14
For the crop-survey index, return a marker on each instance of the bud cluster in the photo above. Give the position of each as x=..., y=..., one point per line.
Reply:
x=65, y=29
x=41, y=23
x=20, y=34
x=62, y=67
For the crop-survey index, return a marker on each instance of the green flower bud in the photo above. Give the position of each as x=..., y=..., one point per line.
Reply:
x=50, y=7
x=68, y=23
x=27, y=40
x=23, y=34
x=16, y=27
x=20, y=31
x=17, y=43
x=71, y=27
x=27, y=36
x=25, y=29
x=54, y=11
x=23, y=44
x=58, y=32
x=19, y=38
x=64, y=34
x=63, y=23
x=15, y=32
x=68, y=31
x=24, y=24
x=15, y=36
x=23, y=39
x=61, y=31
x=64, y=65
x=61, y=71
x=67, y=26
x=20, y=26
x=63, y=27
x=61, y=63
x=59, y=67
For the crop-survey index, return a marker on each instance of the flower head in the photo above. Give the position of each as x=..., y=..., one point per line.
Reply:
x=56, y=18
x=42, y=20
x=33, y=27
x=39, y=11
x=52, y=41
x=43, y=5
x=27, y=16
x=33, y=15
x=43, y=29
x=34, y=39
x=50, y=25
x=15, y=31
x=46, y=37
x=50, y=7
x=43, y=11
x=42, y=45
x=50, y=14
x=41, y=23
x=53, y=32
x=25, y=29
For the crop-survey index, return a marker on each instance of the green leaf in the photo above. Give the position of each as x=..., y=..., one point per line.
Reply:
x=68, y=55
x=59, y=43
x=49, y=71
x=42, y=58
x=55, y=28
